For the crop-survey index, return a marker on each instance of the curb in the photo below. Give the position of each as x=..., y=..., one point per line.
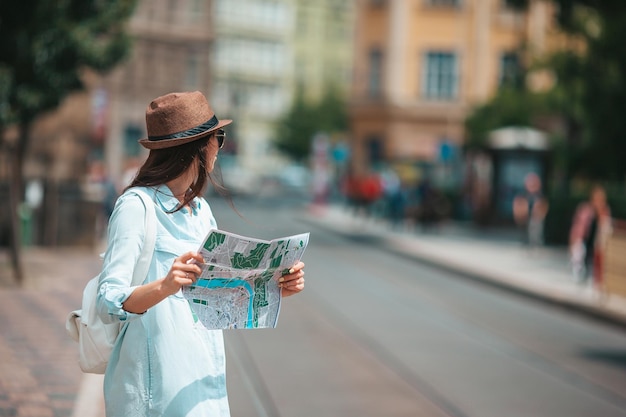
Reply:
x=560, y=299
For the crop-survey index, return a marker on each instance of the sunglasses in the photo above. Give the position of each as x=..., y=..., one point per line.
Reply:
x=220, y=135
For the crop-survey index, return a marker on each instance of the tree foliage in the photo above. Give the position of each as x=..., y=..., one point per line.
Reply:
x=595, y=82
x=44, y=47
x=509, y=107
x=296, y=129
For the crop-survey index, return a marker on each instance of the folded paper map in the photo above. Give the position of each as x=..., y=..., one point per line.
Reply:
x=238, y=287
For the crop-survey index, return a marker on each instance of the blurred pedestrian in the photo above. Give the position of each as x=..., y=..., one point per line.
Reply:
x=530, y=208
x=370, y=191
x=394, y=197
x=164, y=362
x=590, y=231
x=362, y=191
x=430, y=206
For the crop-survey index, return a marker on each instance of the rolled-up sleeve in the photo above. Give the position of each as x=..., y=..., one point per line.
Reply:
x=126, y=234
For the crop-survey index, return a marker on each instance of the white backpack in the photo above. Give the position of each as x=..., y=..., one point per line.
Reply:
x=96, y=338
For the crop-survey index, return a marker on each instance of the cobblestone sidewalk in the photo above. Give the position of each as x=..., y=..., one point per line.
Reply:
x=39, y=373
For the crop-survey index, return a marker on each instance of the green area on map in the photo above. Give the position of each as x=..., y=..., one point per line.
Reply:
x=252, y=261
x=214, y=240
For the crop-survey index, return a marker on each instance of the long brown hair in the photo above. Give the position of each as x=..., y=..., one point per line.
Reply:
x=163, y=165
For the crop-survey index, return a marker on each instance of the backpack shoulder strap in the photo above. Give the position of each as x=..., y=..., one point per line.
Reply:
x=143, y=263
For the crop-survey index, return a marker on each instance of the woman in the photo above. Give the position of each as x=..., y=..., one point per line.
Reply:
x=164, y=363
x=590, y=231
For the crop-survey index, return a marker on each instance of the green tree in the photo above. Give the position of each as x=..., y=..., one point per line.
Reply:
x=296, y=129
x=509, y=107
x=591, y=86
x=44, y=47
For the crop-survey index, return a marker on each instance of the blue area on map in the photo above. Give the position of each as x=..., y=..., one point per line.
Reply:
x=231, y=283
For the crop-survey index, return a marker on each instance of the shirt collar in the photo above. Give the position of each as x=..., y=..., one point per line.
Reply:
x=169, y=203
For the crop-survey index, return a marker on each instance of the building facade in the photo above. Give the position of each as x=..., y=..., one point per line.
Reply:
x=323, y=46
x=421, y=65
x=252, y=81
x=264, y=51
x=171, y=52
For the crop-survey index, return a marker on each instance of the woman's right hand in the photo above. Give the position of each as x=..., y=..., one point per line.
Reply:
x=184, y=271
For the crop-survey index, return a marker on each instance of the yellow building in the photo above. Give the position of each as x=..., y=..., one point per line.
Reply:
x=421, y=65
x=323, y=46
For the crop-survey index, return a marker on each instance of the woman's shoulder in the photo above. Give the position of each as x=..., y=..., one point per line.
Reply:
x=135, y=193
x=128, y=217
x=131, y=200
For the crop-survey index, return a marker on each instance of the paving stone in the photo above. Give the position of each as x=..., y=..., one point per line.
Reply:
x=35, y=411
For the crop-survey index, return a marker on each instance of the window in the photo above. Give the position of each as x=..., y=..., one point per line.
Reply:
x=196, y=11
x=266, y=99
x=441, y=76
x=374, y=149
x=375, y=73
x=510, y=69
x=192, y=71
x=172, y=11
x=132, y=133
x=444, y=3
x=511, y=4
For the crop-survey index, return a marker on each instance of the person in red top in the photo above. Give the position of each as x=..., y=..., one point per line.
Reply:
x=371, y=188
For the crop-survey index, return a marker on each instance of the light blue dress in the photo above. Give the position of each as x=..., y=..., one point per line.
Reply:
x=165, y=363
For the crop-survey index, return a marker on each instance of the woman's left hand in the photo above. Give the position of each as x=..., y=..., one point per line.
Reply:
x=293, y=281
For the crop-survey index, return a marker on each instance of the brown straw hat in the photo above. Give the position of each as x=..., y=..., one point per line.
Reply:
x=178, y=118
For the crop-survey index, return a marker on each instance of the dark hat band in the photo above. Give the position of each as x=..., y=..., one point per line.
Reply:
x=212, y=122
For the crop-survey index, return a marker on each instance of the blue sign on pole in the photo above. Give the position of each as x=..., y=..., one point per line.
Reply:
x=446, y=151
x=340, y=153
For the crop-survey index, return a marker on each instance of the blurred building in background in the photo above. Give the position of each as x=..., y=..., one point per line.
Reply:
x=248, y=56
x=324, y=46
x=421, y=65
x=263, y=52
x=171, y=52
x=252, y=80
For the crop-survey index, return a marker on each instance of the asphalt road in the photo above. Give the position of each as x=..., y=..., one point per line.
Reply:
x=375, y=334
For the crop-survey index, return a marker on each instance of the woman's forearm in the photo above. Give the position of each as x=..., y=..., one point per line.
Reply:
x=145, y=296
